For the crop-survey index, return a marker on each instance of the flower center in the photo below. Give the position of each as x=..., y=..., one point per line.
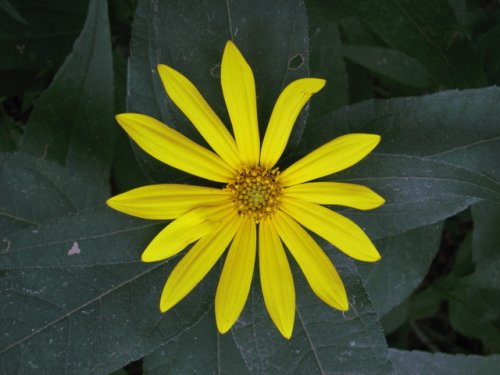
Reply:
x=256, y=192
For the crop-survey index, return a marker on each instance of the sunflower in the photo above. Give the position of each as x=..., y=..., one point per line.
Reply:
x=258, y=209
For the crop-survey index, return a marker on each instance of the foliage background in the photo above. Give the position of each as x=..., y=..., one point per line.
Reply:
x=421, y=73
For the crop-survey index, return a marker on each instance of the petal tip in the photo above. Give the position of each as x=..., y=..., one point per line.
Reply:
x=286, y=332
x=222, y=327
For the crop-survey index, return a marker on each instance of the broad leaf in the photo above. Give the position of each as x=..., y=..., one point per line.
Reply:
x=324, y=340
x=89, y=320
x=426, y=172
x=73, y=119
x=327, y=63
x=35, y=191
x=486, y=245
x=199, y=350
x=271, y=35
x=406, y=258
x=415, y=363
x=390, y=63
x=32, y=38
x=428, y=31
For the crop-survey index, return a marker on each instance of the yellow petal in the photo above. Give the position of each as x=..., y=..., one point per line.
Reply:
x=285, y=113
x=236, y=277
x=172, y=148
x=317, y=267
x=336, y=155
x=166, y=201
x=333, y=227
x=189, y=100
x=276, y=279
x=238, y=87
x=197, y=262
x=336, y=193
x=185, y=230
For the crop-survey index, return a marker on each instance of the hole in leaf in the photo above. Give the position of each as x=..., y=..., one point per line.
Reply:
x=296, y=62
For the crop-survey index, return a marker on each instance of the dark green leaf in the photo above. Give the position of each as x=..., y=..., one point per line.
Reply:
x=79, y=240
x=271, y=35
x=9, y=134
x=73, y=119
x=419, y=363
x=324, y=341
x=434, y=160
x=44, y=38
x=475, y=313
x=405, y=261
x=428, y=31
x=11, y=11
x=488, y=43
x=390, y=63
x=486, y=245
x=327, y=63
x=35, y=191
x=418, y=192
x=199, y=350
x=89, y=320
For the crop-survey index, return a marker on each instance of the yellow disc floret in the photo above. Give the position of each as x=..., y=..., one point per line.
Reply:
x=256, y=193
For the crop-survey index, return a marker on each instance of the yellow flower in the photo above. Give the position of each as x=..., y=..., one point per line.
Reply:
x=257, y=206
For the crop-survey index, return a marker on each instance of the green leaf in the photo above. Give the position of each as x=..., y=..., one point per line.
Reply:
x=271, y=35
x=418, y=192
x=435, y=158
x=486, y=245
x=73, y=119
x=9, y=134
x=406, y=258
x=11, y=11
x=38, y=35
x=89, y=320
x=199, y=350
x=475, y=313
x=324, y=340
x=390, y=63
x=79, y=240
x=428, y=31
x=415, y=362
x=488, y=42
x=327, y=63
x=35, y=191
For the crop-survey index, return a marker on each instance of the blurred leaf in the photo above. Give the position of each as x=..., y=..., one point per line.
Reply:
x=11, y=11
x=406, y=258
x=488, y=43
x=34, y=191
x=428, y=31
x=327, y=62
x=46, y=35
x=9, y=134
x=486, y=245
x=420, y=363
x=271, y=35
x=476, y=313
x=356, y=33
x=389, y=63
x=72, y=121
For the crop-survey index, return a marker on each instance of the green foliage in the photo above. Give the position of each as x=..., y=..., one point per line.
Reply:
x=74, y=296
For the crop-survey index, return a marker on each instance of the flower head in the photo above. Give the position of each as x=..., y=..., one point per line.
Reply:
x=257, y=206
